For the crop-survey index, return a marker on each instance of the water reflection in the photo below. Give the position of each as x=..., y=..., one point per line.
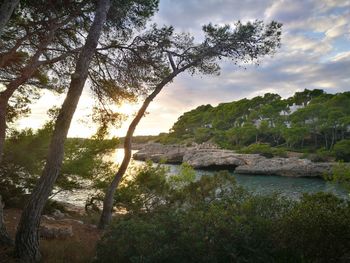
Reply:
x=259, y=184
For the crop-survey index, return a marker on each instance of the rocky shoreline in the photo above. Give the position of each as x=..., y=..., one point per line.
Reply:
x=208, y=157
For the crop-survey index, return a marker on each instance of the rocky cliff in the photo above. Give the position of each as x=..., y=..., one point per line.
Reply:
x=201, y=157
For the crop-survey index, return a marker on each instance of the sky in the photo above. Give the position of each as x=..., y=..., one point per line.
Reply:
x=315, y=53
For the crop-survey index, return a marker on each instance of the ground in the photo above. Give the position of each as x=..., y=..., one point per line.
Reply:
x=78, y=248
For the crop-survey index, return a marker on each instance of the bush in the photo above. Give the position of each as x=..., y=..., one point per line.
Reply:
x=264, y=149
x=321, y=155
x=202, y=134
x=317, y=229
x=340, y=174
x=214, y=220
x=342, y=150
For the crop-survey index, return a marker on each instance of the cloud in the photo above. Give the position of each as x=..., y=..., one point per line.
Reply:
x=315, y=53
x=289, y=10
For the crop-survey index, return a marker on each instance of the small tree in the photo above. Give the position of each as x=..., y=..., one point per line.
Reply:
x=123, y=17
x=27, y=240
x=170, y=54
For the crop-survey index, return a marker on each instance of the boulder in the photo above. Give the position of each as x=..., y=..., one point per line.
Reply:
x=51, y=231
x=213, y=158
x=57, y=214
x=72, y=221
x=48, y=218
x=157, y=152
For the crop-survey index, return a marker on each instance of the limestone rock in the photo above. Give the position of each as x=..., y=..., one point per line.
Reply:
x=58, y=214
x=48, y=218
x=74, y=221
x=157, y=152
x=204, y=157
x=292, y=167
x=51, y=231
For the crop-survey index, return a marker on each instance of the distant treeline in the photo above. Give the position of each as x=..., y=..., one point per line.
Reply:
x=136, y=139
x=140, y=139
x=310, y=119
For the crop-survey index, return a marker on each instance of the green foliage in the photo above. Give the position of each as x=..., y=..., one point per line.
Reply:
x=24, y=158
x=342, y=150
x=18, y=105
x=143, y=190
x=185, y=176
x=311, y=120
x=214, y=220
x=151, y=186
x=340, y=174
x=191, y=120
x=320, y=155
x=264, y=149
x=316, y=229
x=202, y=135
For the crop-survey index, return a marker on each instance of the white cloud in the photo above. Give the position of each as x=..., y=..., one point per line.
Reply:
x=341, y=56
x=315, y=54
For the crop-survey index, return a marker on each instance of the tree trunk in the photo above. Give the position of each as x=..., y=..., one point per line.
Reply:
x=333, y=138
x=6, y=10
x=4, y=236
x=27, y=243
x=3, y=107
x=106, y=215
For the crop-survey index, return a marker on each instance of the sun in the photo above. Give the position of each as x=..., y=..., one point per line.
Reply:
x=128, y=108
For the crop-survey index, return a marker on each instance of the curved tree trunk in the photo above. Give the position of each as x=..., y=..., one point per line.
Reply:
x=4, y=236
x=106, y=215
x=27, y=238
x=6, y=10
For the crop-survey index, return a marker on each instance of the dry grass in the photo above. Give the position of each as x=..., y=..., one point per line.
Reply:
x=80, y=248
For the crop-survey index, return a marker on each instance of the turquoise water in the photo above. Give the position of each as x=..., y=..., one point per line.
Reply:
x=286, y=186
x=258, y=184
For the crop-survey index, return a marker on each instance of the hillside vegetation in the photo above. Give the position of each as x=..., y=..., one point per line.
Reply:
x=309, y=121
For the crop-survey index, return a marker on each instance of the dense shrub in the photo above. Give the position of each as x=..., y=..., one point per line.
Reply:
x=340, y=174
x=202, y=134
x=317, y=229
x=342, y=150
x=214, y=220
x=321, y=155
x=264, y=149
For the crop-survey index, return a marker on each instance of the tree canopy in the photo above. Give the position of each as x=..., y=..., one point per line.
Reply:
x=311, y=118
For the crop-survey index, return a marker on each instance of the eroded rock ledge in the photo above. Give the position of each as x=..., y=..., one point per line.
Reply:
x=203, y=157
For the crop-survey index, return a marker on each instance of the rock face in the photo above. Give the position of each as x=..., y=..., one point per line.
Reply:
x=292, y=167
x=213, y=158
x=157, y=152
x=208, y=158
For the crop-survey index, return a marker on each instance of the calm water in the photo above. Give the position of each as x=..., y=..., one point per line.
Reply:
x=260, y=184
